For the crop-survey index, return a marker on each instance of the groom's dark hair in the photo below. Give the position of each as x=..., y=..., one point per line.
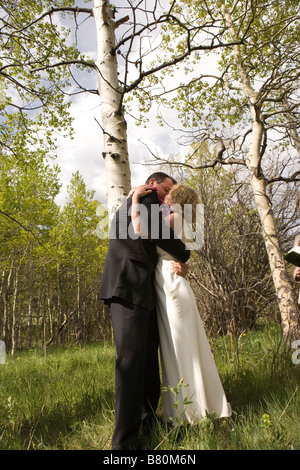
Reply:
x=159, y=177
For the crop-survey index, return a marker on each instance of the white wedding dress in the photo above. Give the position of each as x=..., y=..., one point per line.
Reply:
x=185, y=351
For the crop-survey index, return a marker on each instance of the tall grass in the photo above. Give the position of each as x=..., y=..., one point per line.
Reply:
x=64, y=399
x=262, y=384
x=61, y=400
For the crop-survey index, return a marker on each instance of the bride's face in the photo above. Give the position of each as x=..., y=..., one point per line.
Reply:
x=168, y=199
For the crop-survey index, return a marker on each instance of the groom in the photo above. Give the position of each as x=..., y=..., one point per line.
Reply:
x=127, y=286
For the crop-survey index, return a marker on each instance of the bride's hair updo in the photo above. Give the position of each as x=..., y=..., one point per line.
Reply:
x=184, y=195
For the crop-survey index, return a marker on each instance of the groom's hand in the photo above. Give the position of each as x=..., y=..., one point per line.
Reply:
x=181, y=269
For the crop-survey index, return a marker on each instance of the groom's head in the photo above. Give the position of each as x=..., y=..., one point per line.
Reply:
x=162, y=182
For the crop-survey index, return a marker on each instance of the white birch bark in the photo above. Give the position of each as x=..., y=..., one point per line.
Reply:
x=14, y=312
x=286, y=297
x=113, y=124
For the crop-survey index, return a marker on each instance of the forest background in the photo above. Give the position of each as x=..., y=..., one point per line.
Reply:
x=51, y=253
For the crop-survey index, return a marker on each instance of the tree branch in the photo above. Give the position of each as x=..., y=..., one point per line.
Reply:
x=66, y=62
x=21, y=225
x=219, y=159
x=176, y=61
x=290, y=179
x=49, y=13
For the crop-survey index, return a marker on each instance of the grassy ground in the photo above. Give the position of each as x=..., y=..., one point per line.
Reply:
x=64, y=399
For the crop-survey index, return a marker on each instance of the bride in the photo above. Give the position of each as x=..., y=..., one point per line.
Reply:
x=186, y=357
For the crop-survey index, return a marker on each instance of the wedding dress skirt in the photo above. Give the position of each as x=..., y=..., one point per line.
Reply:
x=185, y=351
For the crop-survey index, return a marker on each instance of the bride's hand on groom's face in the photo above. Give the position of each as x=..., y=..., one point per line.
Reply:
x=140, y=191
x=181, y=269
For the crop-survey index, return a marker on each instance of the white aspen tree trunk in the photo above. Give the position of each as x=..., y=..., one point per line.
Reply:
x=49, y=316
x=115, y=152
x=59, y=314
x=284, y=290
x=5, y=330
x=14, y=313
x=286, y=297
x=30, y=300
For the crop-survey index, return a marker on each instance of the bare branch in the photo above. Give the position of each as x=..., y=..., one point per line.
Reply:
x=177, y=60
x=218, y=160
x=66, y=62
x=49, y=13
x=23, y=227
x=286, y=179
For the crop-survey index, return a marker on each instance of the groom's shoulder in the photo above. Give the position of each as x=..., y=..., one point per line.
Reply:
x=151, y=198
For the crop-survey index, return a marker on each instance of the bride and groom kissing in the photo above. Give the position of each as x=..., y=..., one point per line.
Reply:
x=153, y=306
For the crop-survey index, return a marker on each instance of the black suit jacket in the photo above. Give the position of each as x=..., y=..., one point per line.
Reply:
x=131, y=259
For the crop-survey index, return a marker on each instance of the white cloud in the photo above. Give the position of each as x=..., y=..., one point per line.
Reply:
x=84, y=152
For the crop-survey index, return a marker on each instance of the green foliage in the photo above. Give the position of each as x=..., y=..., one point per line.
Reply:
x=261, y=49
x=179, y=420
x=51, y=258
x=46, y=251
x=28, y=188
x=32, y=88
x=75, y=231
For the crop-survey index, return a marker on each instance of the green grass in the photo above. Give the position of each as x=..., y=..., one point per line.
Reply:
x=64, y=399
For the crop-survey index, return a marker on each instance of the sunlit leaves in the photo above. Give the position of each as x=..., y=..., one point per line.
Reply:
x=210, y=90
x=32, y=42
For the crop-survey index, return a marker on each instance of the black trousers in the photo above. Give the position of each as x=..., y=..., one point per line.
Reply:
x=137, y=371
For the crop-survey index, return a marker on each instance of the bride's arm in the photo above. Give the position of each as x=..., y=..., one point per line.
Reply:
x=175, y=221
x=137, y=193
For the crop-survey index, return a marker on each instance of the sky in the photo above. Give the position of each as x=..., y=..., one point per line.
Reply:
x=84, y=152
